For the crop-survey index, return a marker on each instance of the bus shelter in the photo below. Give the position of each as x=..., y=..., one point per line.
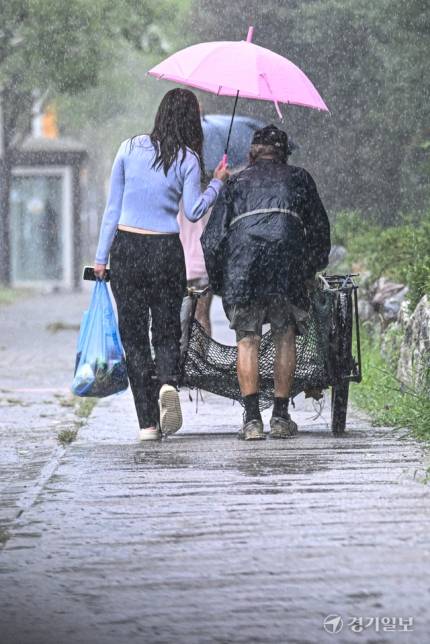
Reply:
x=45, y=208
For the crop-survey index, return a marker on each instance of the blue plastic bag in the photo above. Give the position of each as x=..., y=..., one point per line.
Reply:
x=100, y=368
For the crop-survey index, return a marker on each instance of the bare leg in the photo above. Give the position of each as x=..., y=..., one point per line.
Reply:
x=285, y=362
x=281, y=425
x=202, y=312
x=247, y=364
x=249, y=381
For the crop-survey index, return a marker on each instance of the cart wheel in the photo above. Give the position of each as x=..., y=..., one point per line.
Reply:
x=339, y=407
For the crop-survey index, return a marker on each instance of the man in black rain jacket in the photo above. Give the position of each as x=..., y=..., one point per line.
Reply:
x=267, y=236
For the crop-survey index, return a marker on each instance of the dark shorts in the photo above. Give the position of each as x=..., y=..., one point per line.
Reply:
x=248, y=319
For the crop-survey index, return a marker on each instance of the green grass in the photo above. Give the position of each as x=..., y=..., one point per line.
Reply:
x=400, y=253
x=67, y=436
x=15, y=402
x=85, y=406
x=4, y=536
x=386, y=400
x=55, y=327
x=8, y=295
x=66, y=402
x=82, y=408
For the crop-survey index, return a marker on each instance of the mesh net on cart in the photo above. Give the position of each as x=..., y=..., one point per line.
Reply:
x=211, y=366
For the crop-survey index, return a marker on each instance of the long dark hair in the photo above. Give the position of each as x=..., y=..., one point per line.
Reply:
x=177, y=126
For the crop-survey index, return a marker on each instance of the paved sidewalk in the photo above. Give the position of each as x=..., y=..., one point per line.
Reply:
x=37, y=346
x=200, y=538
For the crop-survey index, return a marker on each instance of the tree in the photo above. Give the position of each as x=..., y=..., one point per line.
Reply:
x=42, y=45
x=408, y=102
x=61, y=47
x=369, y=61
x=123, y=103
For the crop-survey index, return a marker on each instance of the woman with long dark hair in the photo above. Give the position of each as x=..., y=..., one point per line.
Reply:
x=150, y=175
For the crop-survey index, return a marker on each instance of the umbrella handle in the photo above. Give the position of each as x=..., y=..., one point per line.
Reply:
x=229, y=131
x=225, y=159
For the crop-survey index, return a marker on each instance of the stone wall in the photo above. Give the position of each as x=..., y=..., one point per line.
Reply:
x=414, y=362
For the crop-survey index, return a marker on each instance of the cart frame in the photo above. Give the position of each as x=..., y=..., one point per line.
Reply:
x=344, y=366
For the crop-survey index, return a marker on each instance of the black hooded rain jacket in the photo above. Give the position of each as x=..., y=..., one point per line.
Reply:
x=268, y=233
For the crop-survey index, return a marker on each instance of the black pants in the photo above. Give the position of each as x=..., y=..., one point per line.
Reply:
x=148, y=276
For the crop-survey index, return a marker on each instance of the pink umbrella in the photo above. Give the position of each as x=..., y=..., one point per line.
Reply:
x=242, y=68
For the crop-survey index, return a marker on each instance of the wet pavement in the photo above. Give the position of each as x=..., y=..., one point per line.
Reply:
x=201, y=538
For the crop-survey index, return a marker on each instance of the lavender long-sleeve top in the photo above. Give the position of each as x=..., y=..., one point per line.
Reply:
x=143, y=197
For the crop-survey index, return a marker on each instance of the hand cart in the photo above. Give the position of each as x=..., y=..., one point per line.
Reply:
x=325, y=357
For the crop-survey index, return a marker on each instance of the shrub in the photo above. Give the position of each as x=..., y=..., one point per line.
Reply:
x=348, y=226
x=389, y=402
x=401, y=253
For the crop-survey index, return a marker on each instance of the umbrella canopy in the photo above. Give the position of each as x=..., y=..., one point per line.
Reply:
x=231, y=68
x=215, y=130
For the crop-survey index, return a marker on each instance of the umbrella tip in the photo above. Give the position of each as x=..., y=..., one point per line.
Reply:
x=250, y=34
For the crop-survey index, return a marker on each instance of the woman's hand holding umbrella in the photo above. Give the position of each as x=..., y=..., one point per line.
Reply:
x=221, y=172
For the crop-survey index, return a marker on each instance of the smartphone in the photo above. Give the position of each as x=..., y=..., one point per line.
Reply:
x=89, y=274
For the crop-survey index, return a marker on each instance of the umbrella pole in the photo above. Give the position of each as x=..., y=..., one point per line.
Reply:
x=225, y=159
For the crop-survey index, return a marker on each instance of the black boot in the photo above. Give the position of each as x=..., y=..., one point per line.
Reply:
x=252, y=428
x=281, y=425
x=280, y=408
x=252, y=407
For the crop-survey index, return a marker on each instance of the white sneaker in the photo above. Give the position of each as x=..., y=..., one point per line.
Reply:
x=170, y=410
x=149, y=434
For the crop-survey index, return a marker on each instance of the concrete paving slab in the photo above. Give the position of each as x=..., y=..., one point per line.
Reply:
x=202, y=538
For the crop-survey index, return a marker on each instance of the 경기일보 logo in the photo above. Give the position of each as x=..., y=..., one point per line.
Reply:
x=333, y=624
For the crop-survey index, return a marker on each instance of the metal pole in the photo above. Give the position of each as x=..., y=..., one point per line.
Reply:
x=4, y=199
x=357, y=335
x=2, y=141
